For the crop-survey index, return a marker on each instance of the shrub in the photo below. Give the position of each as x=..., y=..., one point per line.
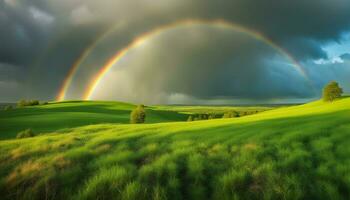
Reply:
x=8, y=107
x=332, y=91
x=25, y=134
x=138, y=115
x=230, y=114
x=34, y=103
x=23, y=103
x=190, y=118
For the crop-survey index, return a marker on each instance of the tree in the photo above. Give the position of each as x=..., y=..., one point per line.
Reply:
x=138, y=115
x=34, y=102
x=8, y=107
x=190, y=118
x=332, y=91
x=25, y=134
x=23, y=103
x=230, y=114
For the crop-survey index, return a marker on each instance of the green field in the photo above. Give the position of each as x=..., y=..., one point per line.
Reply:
x=69, y=114
x=298, y=152
x=211, y=109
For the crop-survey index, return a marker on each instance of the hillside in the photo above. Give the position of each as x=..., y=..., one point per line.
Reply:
x=69, y=114
x=299, y=152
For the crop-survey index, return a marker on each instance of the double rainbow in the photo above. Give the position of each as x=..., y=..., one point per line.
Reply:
x=157, y=31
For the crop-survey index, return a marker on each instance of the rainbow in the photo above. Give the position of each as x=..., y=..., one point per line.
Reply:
x=88, y=93
x=77, y=64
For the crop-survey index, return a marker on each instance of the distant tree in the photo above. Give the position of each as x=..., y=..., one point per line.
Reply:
x=25, y=134
x=34, y=103
x=23, y=103
x=138, y=115
x=332, y=91
x=230, y=114
x=226, y=115
x=8, y=107
x=190, y=118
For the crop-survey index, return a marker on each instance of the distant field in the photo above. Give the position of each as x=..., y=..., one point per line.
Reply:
x=55, y=116
x=299, y=152
x=3, y=105
x=212, y=109
x=70, y=114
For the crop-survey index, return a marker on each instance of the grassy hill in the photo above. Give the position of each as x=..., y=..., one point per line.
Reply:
x=55, y=116
x=211, y=109
x=299, y=152
x=69, y=114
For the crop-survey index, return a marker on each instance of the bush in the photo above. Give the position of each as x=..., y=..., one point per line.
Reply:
x=332, y=91
x=190, y=118
x=138, y=115
x=23, y=103
x=8, y=107
x=230, y=114
x=34, y=103
x=25, y=134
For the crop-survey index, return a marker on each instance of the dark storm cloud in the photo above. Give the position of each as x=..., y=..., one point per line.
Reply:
x=42, y=39
x=223, y=64
x=345, y=57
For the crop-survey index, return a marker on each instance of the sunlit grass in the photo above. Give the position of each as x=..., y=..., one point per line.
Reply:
x=300, y=152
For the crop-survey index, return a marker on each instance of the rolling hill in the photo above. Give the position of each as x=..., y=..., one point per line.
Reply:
x=69, y=114
x=299, y=152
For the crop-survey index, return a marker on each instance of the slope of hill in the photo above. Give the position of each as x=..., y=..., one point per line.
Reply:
x=300, y=152
x=70, y=114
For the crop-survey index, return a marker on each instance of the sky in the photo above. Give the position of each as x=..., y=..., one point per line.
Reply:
x=174, y=51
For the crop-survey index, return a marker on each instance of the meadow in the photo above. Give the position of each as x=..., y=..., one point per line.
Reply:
x=69, y=114
x=194, y=109
x=299, y=152
x=55, y=116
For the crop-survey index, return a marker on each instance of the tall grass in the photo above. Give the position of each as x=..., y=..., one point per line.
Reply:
x=294, y=155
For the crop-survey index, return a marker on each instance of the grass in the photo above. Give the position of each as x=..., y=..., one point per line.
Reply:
x=299, y=152
x=210, y=109
x=69, y=114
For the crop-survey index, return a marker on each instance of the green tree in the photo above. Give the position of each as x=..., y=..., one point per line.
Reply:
x=138, y=115
x=211, y=116
x=190, y=118
x=8, y=107
x=34, y=102
x=332, y=91
x=25, y=134
x=22, y=103
x=230, y=114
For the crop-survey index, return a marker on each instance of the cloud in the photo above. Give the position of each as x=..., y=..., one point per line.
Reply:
x=345, y=56
x=41, y=16
x=44, y=38
x=203, y=63
x=82, y=15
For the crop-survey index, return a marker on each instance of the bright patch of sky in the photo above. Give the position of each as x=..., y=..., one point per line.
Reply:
x=335, y=50
x=41, y=16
